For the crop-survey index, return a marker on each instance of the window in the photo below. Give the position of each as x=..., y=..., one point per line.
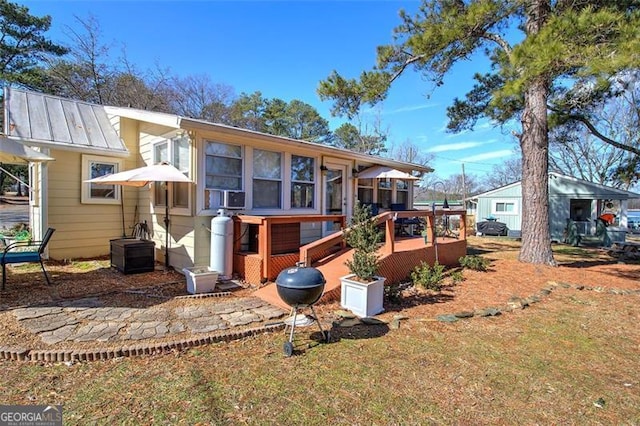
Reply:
x=402, y=192
x=267, y=179
x=365, y=190
x=384, y=193
x=504, y=207
x=180, y=193
x=93, y=167
x=302, y=182
x=223, y=166
x=176, y=152
x=160, y=154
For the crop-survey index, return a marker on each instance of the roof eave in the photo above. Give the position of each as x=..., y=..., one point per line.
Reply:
x=194, y=124
x=111, y=152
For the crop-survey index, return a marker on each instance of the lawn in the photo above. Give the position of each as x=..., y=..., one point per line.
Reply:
x=570, y=359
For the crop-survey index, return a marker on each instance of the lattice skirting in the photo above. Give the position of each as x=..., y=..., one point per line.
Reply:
x=248, y=267
x=398, y=266
x=281, y=262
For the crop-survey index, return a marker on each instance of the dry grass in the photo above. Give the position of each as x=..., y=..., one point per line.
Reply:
x=547, y=364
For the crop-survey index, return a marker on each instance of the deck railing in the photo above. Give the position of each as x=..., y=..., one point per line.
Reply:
x=265, y=229
x=312, y=252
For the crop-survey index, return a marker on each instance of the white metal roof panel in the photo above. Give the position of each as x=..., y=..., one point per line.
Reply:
x=54, y=122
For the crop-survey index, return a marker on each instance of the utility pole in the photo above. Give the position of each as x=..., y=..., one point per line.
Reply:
x=464, y=189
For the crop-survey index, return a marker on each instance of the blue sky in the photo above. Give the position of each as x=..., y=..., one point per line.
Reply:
x=283, y=49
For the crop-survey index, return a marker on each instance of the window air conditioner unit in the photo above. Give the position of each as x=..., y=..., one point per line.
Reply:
x=223, y=198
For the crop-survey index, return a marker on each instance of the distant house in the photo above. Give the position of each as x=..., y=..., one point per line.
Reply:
x=250, y=174
x=569, y=198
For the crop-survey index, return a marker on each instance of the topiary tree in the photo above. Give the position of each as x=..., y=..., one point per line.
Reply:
x=365, y=238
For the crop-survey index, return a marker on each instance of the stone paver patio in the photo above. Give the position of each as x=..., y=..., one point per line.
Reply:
x=87, y=320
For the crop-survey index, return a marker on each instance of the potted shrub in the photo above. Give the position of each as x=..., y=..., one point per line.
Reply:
x=362, y=291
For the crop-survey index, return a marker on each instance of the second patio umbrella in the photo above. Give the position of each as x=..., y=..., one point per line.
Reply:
x=142, y=176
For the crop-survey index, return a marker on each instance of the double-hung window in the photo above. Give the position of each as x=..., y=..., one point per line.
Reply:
x=223, y=170
x=402, y=192
x=384, y=193
x=176, y=152
x=365, y=190
x=267, y=179
x=303, y=186
x=96, y=166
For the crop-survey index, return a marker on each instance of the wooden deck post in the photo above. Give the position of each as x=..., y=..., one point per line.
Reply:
x=463, y=226
x=389, y=236
x=237, y=231
x=264, y=249
x=431, y=228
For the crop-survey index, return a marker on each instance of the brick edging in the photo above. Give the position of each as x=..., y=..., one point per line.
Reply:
x=70, y=355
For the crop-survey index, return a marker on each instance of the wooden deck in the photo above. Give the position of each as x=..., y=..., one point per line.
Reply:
x=399, y=255
x=409, y=252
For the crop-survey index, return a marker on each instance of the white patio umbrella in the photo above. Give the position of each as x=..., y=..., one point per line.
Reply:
x=384, y=172
x=13, y=152
x=142, y=176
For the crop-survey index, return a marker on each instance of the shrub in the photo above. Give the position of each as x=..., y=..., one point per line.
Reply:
x=393, y=293
x=427, y=276
x=474, y=262
x=457, y=277
x=364, y=237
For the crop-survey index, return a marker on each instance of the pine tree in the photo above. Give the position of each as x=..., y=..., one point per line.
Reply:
x=562, y=44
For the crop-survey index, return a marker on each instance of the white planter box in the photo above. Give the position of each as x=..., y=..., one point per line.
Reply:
x=363, y=299
x=200, y=279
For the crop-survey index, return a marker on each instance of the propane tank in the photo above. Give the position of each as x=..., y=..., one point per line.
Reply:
x=221, y=254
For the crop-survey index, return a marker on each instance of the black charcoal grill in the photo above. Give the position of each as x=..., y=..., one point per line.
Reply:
x=300, y=287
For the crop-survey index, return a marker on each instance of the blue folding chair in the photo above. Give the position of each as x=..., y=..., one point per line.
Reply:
x=23, y=252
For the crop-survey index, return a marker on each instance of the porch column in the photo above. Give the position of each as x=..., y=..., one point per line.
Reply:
x=595, y=212
x=463, y=226
x=623, y=213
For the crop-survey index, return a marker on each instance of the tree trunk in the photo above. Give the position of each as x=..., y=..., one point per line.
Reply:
x=534, y=142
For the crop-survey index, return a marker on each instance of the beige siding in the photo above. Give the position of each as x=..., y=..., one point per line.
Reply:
x=182, y=240
x=202, y=233
x=84, y=230
x=309, y=231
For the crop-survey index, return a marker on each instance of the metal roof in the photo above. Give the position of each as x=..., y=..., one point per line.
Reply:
x=568, y=185
x=177, y=121
x=53, y=122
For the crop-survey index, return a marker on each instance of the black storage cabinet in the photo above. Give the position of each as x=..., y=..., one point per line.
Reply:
x=133, y=256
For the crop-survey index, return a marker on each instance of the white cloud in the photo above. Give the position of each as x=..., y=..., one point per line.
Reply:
x=401, y=110
x=484, y=126
x=488, y=155
x=459, y=146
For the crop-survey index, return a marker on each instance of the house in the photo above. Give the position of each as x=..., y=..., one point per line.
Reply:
x=572, y=199
x=282, y=193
